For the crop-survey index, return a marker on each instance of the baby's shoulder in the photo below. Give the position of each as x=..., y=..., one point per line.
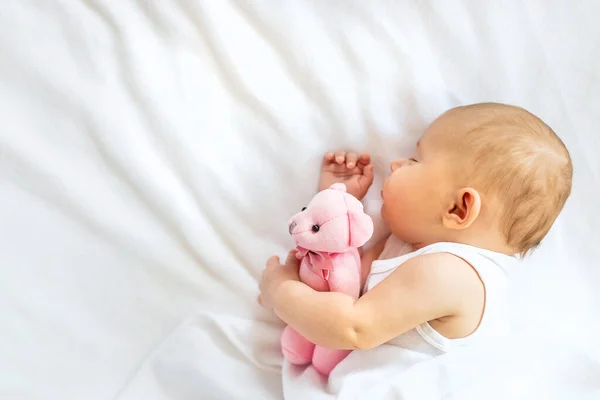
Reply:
x=439, y=281
x=442, y=270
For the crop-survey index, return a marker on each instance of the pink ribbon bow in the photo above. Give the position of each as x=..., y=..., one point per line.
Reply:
x=319, y=262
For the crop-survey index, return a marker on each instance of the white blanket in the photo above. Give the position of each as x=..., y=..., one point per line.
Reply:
x=151, y=152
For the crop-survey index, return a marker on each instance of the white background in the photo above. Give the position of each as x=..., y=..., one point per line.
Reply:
x=152, y=151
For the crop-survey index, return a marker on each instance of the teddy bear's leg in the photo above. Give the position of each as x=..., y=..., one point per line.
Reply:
x=295, y=347
x=324, y=359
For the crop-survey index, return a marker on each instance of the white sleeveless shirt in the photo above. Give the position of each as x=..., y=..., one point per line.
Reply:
x=493, y=271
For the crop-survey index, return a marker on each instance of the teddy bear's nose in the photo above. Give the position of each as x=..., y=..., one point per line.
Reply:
x=291, y=227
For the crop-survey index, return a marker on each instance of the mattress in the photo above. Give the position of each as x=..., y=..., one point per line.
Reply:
x=151, y=153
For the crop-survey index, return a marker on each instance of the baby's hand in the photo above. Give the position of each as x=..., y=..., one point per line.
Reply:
x=275, y=274
x=347, y=168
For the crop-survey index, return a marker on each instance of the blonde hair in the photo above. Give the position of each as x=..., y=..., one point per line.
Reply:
x=511, y=154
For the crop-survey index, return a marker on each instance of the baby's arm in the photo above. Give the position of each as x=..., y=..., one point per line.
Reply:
x=367, y=259
x=424, y=288
x=356, y=172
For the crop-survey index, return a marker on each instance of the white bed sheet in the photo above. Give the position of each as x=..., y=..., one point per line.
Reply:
x=151, y=152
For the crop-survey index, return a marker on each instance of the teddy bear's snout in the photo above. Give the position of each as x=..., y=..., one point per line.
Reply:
x=291, y=227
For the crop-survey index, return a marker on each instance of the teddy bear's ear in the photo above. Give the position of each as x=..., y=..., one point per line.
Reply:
x=338, y=186
x=361, y=228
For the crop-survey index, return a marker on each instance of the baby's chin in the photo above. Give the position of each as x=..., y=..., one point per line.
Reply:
x=382, y=212
x=388, y=223
x=400, y=231
x=387, y=217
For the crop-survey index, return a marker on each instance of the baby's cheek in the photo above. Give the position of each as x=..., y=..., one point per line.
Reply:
x=403, y=200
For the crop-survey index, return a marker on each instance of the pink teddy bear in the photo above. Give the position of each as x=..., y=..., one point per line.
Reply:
x=327, y=233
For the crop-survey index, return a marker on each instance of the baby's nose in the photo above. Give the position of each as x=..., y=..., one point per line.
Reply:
x=394, y=165
x=291, y=227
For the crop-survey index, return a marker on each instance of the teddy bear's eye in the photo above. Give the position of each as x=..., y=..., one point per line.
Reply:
x=315, y=228
x=303, y=208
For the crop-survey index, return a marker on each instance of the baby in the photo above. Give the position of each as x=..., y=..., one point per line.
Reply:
x=485, y=184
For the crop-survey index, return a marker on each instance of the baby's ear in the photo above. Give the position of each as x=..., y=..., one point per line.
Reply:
x=361, y=228
x=464, y=210
x=338, y=186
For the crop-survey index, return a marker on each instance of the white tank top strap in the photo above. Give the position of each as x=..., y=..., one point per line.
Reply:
x=492, y=269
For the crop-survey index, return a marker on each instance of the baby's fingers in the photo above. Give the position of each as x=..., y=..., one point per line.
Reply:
x=328, y=158
x=368, y=174
x=291, y=257
x=340, y=157
x=351, y=160
x=365, y=159
x=273, y=262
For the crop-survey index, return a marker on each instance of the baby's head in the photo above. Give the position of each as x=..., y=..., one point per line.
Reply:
x=491, y=175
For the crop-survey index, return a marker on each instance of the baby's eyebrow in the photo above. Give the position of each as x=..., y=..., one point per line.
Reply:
x=418, y=143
